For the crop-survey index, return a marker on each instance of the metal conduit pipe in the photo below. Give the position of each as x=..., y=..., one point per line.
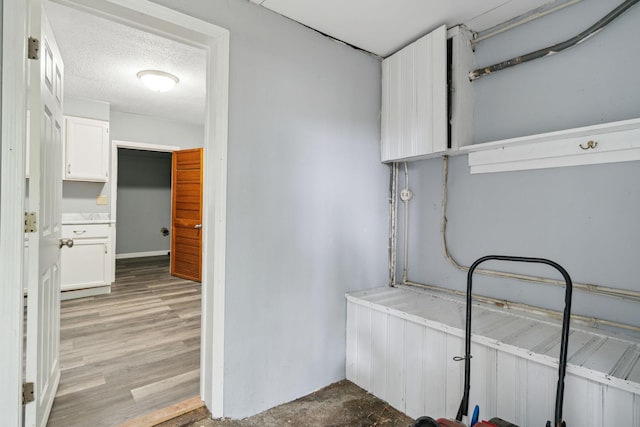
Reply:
x=405, y=264
x=586, y=287
x=558, y=47
x=393, y=222
x=526, y=307
x=536, y=13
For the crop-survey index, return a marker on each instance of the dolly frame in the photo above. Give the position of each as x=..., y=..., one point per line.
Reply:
x=566, y=319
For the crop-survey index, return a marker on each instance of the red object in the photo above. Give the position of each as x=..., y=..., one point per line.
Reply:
x=485, y=424
x=444, y=422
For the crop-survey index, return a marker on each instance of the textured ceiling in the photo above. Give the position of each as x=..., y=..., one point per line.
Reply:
x=102, y=58
x=384, y=26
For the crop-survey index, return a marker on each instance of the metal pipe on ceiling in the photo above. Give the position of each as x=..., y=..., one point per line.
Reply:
x=558, y=47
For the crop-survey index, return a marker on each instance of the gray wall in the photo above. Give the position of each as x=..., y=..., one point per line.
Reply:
x=144, y=201
x=307, y=202
x=584, y=217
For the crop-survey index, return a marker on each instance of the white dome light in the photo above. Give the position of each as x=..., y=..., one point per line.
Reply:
x=158, y=81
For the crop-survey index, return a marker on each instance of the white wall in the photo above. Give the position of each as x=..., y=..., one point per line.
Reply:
x=307, y=202
x=155, y=130
x=584, y=217
x=86, y=108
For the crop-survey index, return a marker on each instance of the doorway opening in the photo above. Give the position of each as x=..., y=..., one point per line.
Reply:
x=215, y=40
x=141, y=193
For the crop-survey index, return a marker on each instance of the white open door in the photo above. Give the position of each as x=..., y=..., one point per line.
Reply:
x=45, y=197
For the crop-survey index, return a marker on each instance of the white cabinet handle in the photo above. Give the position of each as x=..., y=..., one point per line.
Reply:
x=79, y=231
x=198, y=226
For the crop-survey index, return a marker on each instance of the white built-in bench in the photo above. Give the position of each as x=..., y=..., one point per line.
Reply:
x=401, y=342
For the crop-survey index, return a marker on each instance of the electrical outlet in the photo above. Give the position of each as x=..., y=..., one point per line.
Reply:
x=101, y=200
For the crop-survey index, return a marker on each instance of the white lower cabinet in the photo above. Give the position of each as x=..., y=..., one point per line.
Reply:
x=87, y=263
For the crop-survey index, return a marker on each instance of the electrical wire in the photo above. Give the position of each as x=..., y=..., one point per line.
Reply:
x=585, y=287
x=590, y=288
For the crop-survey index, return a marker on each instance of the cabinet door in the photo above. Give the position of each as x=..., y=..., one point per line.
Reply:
x=86, y=149
x=414, y=99
x=85, y=265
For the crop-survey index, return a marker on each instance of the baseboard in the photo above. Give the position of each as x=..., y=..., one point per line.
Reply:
x=142, y=254
x=83, y=293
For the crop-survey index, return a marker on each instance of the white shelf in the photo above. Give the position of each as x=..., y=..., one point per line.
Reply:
x=604, y=143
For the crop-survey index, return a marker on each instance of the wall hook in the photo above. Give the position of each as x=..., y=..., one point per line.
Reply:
x=590, y=145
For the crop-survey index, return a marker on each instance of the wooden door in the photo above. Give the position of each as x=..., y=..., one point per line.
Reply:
x=45, y=199
x=186, y=214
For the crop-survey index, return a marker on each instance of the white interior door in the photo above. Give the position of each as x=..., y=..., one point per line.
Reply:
x=45, y=197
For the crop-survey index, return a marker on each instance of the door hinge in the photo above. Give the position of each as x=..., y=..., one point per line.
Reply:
x=30, y=222
x=34, y=48
x=27, y=393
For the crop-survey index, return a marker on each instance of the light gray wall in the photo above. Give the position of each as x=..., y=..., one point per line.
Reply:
x=144, y=201
x=595, y=82
x=86, y=108
x=154, y=130
x=584, y=217
x=80, y=197
x=307, y=202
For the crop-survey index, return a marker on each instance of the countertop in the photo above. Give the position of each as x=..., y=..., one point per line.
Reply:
x=86, y=218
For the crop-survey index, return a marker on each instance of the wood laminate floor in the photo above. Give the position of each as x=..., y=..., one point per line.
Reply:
x=131, y=352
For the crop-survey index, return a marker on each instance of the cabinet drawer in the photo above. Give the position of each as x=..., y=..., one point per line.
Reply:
x=82, y=231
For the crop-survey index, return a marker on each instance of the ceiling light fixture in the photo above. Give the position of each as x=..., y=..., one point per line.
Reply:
x=158, y=81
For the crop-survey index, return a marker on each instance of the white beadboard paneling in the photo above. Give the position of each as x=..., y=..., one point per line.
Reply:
x=400, y=350
x=574, y=410
x=455, y=375
x=435, y=371
x=414, y=99
x=617, y=408
x=594, y=407
x=506, y=386
x=395, y=371
x=539, y=395
x=414, y=373
x=379, y=353
x=352, y=342
x=363, y=367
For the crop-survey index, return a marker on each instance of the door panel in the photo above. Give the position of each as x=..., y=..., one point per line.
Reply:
x=186, y=214
x=45, y=196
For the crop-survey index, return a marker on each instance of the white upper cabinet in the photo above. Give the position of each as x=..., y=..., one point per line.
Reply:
x=414, y=99
x=86, y=149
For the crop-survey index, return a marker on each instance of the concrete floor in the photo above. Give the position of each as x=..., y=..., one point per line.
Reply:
x=342, y=404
